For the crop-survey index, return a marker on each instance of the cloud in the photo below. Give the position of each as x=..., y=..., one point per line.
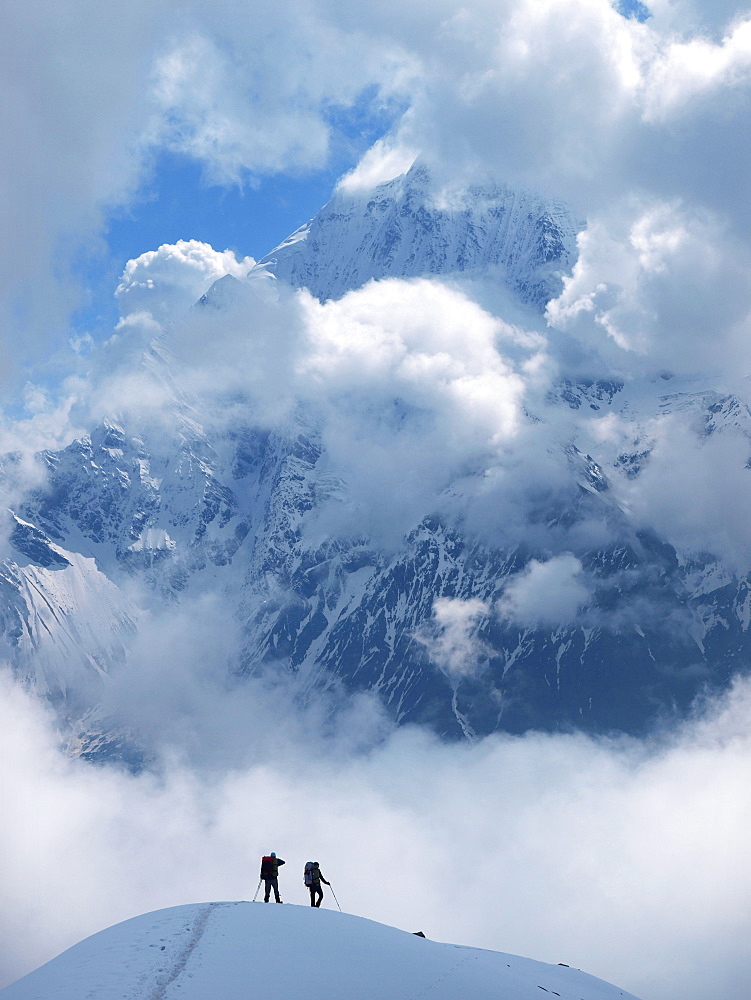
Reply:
x=571, y=97
x=414, y=391
x=254, y=93
x=659, y=287
x=66, y=156
x=168, y=281
x=627, y=860
x=456, y=648
x=382, y=162
x=545, y=593
x=231, y=118
x=695, y=491
x=411, y=385
x=698, y=67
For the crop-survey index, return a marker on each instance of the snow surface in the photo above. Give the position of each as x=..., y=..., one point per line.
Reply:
x=234, y=950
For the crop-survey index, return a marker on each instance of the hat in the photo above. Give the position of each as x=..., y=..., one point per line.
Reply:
x=273, y=854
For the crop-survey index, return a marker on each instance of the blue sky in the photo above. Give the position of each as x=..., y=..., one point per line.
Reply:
x=250, y=215
x=178, y=203
x=633, y=8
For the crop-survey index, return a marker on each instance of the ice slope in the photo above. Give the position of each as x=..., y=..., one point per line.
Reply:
x=237, y=950
x=398, y=231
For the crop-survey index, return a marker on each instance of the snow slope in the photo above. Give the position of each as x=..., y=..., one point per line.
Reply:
x=234, y=950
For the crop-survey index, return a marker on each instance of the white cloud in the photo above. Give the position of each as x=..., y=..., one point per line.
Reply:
x=545, y=593
x=208, y=111
x=408, y=382
x=698, y=68
x=629, y=861
x=414, y=391
x=251, y=93
x=456, y=648
x=167, y=281
x=382, y=162
x=696, y=491
x=565, y=96
x=663, y=285
x=70, y=123
x=46, y=422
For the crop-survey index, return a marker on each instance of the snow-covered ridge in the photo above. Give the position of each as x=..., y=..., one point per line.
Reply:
x=236, y=950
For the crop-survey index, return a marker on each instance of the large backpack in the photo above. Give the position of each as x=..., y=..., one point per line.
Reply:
x=267, y=867
x=310, y=867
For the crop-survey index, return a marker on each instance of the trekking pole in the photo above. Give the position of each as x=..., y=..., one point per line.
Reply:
x=334, y=895
x=257, y=888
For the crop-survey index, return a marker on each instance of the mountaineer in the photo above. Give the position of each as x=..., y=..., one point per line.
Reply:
x=313, y=878
x=270, y=875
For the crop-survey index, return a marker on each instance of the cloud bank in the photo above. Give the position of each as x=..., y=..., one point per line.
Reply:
x=626, y=860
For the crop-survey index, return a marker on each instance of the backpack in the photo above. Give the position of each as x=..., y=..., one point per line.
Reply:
x=310, y=867
x=267, y=867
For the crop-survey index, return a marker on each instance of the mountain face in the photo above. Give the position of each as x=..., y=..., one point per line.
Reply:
x=188, y=510
x=397, y=232
x=217, y=949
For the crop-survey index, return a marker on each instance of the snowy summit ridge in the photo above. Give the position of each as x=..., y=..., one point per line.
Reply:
x=233, y=950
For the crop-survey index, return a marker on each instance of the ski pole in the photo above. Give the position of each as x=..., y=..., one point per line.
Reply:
x=334, y=895
x=257, y=888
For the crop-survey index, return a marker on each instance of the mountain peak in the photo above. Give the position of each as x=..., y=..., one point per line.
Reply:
x=404, y=229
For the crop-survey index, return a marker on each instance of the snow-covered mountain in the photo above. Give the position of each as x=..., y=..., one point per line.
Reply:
x=194, y=506
x=398, y=231
x=233, y=950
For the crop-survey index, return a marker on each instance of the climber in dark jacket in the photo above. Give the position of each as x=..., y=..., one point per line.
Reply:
x=269, y=874
x=313, y=879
